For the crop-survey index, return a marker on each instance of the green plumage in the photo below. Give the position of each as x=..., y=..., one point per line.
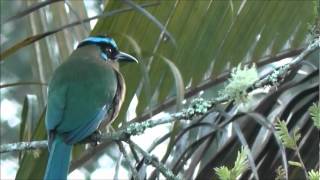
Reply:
x=86, y=89
x=80, y=88
x=80, y=93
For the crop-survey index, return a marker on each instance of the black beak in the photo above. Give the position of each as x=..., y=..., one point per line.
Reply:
x=126, y=57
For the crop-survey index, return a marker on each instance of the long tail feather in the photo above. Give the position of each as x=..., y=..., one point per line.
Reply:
x=59, y=160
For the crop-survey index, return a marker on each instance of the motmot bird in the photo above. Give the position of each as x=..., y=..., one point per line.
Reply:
x=85, y=92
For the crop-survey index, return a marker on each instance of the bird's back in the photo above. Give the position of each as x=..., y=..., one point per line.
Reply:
x=78, y=91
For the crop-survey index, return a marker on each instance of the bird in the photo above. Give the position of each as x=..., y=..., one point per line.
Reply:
x=85, y=93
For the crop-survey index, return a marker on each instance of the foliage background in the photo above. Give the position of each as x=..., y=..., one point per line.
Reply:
x=203, y=39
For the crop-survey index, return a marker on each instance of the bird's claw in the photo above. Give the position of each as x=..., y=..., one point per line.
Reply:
x=95, y=137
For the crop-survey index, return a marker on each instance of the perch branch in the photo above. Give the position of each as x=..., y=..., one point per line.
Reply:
x=20, y=146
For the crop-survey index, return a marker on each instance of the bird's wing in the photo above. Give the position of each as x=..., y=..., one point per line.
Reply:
x=55, y=110
x=118, y=99
x=87, y=129
x=86, y=97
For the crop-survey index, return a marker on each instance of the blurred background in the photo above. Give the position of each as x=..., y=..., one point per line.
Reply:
x=202, y=41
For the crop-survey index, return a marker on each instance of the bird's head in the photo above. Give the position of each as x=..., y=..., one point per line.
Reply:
x=108, y=49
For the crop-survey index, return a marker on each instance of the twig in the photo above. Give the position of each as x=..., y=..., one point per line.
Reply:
x=76, y=14
x=120, y=135
x=126, y=157
x=153, y=19
x=30, y=9
x=155, y=162
x=20, y=146
x=134, y=153
x=286, y=68
x=117, y=167
x=22, y=83
x=302, y=163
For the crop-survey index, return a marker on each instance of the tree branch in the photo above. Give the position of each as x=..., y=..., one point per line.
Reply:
x=211, y=82
x=121, y=135
x=20, y=146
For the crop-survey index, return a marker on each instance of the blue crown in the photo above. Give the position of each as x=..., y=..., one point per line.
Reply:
x=98, y=40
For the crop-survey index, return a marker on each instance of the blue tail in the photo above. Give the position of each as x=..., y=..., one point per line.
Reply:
x=59, y=160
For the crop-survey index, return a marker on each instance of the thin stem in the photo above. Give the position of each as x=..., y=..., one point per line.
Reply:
x=22, y=84
x=30, y=9
x=22, y=146
x=301, y=162
x=126, y=157
x=155, y=163
x=76, y=14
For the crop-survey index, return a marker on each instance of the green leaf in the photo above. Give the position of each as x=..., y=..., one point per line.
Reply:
x=178, y=82
x=314, y=111
x=281, y=173
x=28, y=116
x=240, y=165
x=295, y=163
x=151, y=17
x=313, y=175
x=28, y=169
x=223, y=173
x=284, y=136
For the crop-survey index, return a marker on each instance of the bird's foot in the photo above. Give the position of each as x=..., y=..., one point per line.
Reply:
x=94, y=138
